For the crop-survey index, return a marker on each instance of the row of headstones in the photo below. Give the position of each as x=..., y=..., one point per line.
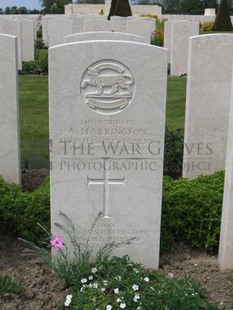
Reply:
x=55, y=29
x=24, y=28
x=176, y=35
x=107, y=121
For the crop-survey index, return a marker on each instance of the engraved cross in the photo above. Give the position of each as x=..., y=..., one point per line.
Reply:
x=106, y=181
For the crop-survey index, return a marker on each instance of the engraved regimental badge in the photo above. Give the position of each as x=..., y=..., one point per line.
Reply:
x=107, y=86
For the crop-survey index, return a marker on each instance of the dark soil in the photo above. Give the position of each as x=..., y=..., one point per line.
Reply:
x=42, y=291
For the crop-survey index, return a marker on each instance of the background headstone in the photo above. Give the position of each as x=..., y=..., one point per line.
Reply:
x=13, y=28
x=207, y=104
x=141, y=27
x=120, y=23
x=168, y=37
x=107, y=153
x=90, y=25
x=102, y=35
x=226, y=234
x=181, y=31
x=57, y=29
x=28, y=40
x=9, y=114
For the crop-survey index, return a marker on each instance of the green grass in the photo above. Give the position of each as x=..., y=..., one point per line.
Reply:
x=34, y=127
x=33, y=99
x=176, y=94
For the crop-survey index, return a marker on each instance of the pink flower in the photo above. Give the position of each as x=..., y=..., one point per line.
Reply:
x=56, y=242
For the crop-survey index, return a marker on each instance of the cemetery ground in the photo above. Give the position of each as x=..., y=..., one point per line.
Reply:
x=43, y=291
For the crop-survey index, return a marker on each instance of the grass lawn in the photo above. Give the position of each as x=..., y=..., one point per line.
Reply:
x=34, y=127
x=176, y=95
x=34, y=122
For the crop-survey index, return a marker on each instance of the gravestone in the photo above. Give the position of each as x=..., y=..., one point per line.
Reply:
x=107, y=143
x=120, y=23
x=9, y=116
x=28, y=40
x=57, y=29
x=77, y=23
x=181, y=31
x=207, y=104
x=141, y=27
x=210, y=12
x=45, y=31
x=168, y=37
x=13, y=28
x=90, y=25
x=226, y=236
x=102, y=35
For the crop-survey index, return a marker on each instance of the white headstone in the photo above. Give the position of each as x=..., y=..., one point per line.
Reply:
x=210, y=12
x=142, y=27
x=181, y=31
x=77, y=23
x=120, y=23
x=168, y=38
x=207, y=104
x=57, y=29
x=28, y=40
x=107, y=119
x=45, y=31
x=9, y=114
x=226, y=234
x=90, y=25
x=13, y=28
x=102, y=35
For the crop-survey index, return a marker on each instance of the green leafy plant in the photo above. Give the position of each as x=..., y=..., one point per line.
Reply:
x=192, y=211
x=8, y=286
x=35, y=67
x=173, y=153
x=20, y=212
x=119, y=283
x=80, y=259
x=158, y=38
x=98, y=281
x=207, y=26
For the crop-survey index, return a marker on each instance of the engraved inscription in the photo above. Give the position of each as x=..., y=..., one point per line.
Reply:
x=107, y=87
x=106, y=181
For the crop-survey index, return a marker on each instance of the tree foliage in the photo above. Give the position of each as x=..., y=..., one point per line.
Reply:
x=188, y=6
x=54, y=6
x=120, y=8
x=223, y=20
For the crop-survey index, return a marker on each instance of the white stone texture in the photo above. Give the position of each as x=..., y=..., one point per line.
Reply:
x=181, y=32
x=28, y=40
x=130, y=109
x=142, y=27
x=57, y=29
x=90, y=25
x=207, y=104
x=226, y=234
x=119, y=23
x=9, y=114
x=13, y=28
x=77, y=23
x=168, y=38
x=210, y=12
x=102, y=35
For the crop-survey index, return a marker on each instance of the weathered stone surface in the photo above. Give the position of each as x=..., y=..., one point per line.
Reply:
x=207, y=104
x=102, y=35
x=107, y=121
x=9, y=115
x=181, y=32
